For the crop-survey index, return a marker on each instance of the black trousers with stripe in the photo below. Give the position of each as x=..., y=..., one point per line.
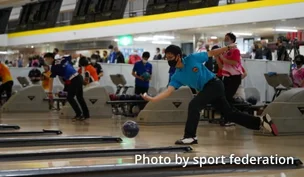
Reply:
x=214, y=93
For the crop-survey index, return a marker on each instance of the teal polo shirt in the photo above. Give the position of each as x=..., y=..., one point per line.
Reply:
x=194, y=73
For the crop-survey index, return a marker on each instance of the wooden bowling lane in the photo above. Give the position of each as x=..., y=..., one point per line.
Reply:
x=213, y=141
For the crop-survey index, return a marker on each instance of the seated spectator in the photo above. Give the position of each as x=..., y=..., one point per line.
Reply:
x=35, y=74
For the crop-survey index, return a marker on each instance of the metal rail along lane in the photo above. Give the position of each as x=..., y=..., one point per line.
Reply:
x=30, y=133
x=149, y=170
x=61, y=140
x=68, y=154
x=8, y=127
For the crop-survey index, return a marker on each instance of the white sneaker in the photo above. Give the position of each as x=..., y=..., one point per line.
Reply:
x=267, y=124
x=187, y=141
x=229, y=124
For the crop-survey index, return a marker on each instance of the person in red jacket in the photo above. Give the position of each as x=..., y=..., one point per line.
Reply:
x=134, y=58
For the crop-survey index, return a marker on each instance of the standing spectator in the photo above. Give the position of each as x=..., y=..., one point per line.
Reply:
x=298, y=72
x=163, y=54
x=112, y=56
x=105, y=56
x=134, y=57
x=56, y=53
x=119, y=56
x=88, y=71
x=97, y=66
x=157, y=56
x=97, y=53
x=282, y=50
x=267, y=54
x=232, y=70
x=20, y=61
x=258, y=52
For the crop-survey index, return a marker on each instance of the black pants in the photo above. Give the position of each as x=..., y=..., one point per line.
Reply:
x=75, y=89
x=231, y=85
x=193, y=90
x=214, y=93
x=141, y=90
x=7, y=87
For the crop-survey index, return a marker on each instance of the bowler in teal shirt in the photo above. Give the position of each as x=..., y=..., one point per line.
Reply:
x=190, y=71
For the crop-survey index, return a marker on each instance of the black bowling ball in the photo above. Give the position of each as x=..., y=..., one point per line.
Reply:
x=252, y=100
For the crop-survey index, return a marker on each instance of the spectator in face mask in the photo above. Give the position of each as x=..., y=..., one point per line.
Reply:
x=88, y=71
x=298, y=72
x=140, y=67
x=112, y=56
x=105, y=57
x=35, y=73
x=97, y=66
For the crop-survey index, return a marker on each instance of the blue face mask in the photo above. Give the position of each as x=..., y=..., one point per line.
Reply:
x=227, y=43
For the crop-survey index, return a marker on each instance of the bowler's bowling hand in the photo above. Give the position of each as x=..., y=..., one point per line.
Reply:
x=146, y=97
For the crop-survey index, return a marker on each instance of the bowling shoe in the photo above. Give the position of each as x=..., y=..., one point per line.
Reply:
x=267, y=124
x=187, y=141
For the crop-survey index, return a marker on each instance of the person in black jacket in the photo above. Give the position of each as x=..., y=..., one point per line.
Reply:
x=267, y=53
x=282, y=50
x=119, y=56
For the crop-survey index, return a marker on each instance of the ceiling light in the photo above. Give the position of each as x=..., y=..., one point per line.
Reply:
x=143, y=39
x=286, y=30
x=243, y=34
x=163, y=37
x=161, y=42
x=3, y=52
x=32, y=46
x=213, y=37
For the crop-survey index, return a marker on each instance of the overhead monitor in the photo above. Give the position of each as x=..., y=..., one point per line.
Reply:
x=4, y=17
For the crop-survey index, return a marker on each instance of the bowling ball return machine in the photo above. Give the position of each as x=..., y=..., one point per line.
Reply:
x=279, y=82
x=287, y=107
x=123, y=104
